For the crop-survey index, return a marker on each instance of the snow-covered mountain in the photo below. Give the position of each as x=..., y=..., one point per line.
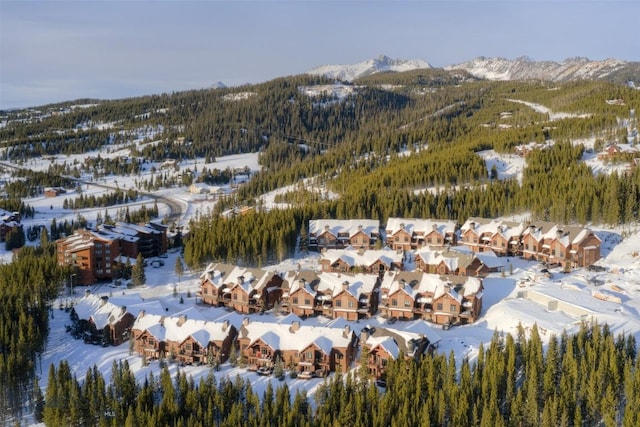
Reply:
x=218, y=85
x=524, y=68
x=350, y=72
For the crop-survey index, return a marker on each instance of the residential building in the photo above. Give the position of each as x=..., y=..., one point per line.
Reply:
x=8, y=221
x=567, y=246
x=412, y=233
x=443, y=300
x=351, y=260
x=384, y=345
x=188, y=341
x=93, y=252
x=90, y=253
x=483, y=234
x=101, y=320
x=338, y=234
x=245, y=290
x=311, y=349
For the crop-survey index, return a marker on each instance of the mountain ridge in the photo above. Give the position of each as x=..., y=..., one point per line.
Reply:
x=498, y=68
x=382, y=63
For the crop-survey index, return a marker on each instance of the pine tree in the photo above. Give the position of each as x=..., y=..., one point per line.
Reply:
x=138, y=277
x=179, y=268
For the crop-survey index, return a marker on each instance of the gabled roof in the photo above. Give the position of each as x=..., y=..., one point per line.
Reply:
x=178, y=329
x=281, y=336
x=99, y=310
x=356, y=284
x=423, y=226
x=354, y=257
x=340, y=226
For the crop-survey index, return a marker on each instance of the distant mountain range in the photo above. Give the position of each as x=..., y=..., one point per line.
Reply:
x=366, y=68
x=521, y=68
x=524, y=68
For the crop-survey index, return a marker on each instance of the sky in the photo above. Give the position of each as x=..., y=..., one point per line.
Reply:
x=52, y=51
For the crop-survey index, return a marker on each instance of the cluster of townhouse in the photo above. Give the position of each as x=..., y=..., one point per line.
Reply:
x=95, y=253
x=443, y=300
x=354, y=282
x=307, y=350
x=549, y=242
x=9, y=221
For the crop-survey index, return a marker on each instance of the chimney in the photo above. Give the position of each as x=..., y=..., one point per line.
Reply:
x=123, y=310
x=295, y=326
x=103, y=300
x=240, y=280
x=245, y=321
x=359, y=227
x=559, y=234
x=345, y=285
x=302, y=282
x=364, y=335
x=326, y=227
x=346, y=331
x=181, y=320
x=225, y=325
x=141, y=314
x=434, y=227
x=361, y=250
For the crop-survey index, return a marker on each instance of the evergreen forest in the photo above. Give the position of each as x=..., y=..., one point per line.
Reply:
x=587, y=379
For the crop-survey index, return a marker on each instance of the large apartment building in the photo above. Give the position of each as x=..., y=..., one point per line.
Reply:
x=93, y=252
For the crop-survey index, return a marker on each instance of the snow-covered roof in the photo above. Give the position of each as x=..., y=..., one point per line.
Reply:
x=179, y=328
x=421, y=226
x=346, y=226
x=354, y=257
x=386, y=342
x=356, y=284
x=282, y=336
x=419, y=284
x=99, y=310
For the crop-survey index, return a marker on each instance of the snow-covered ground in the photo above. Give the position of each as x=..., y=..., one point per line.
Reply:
x=504, y=307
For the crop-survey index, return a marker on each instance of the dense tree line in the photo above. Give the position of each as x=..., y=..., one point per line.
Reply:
x=252, y=238
x=27, y=287
x=589, y=378
x=117, y=197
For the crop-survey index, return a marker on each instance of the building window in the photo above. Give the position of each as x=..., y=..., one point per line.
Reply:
x=307, y=301
x=350, y=304
x=338, y=303
x=187, y=347
x=264, y=351
x=439, y=307
x=453, y=308
x=295, y=300
x=407, y=303
x=235, y=297
x=394, y=302
x=151, y=342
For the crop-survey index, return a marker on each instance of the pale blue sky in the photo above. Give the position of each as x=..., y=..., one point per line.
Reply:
x=53, y=51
